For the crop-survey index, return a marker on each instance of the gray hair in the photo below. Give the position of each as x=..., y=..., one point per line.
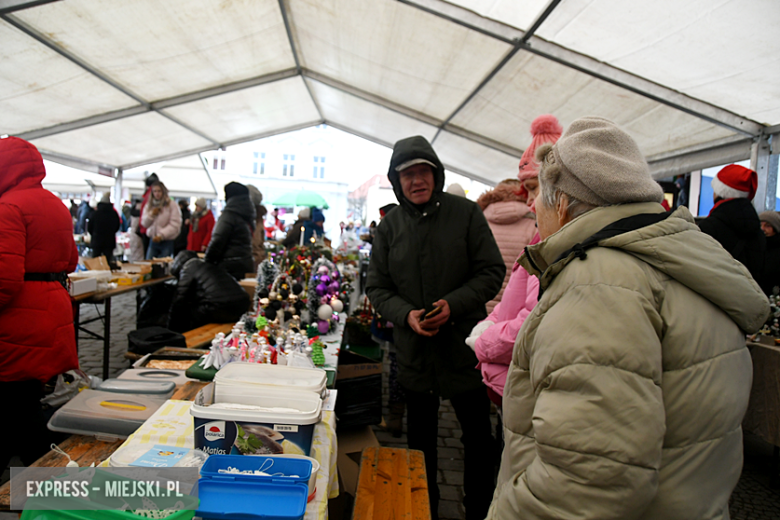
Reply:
x=550, y=195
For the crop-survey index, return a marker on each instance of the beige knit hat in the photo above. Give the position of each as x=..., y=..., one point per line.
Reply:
x=597, y=162
x=772, y=218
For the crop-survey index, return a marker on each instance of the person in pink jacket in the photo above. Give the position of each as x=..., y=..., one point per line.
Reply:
x=512, y=223
x=494, y=338
x=162, y=220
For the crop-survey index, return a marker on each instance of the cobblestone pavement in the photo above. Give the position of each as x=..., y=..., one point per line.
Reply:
x=756, y=497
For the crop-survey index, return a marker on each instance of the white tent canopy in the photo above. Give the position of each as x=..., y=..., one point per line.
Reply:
x=115, y=85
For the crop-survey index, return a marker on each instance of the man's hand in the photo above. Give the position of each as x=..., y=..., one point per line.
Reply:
x=413, y=319
x=157, y=239
x=434, y=322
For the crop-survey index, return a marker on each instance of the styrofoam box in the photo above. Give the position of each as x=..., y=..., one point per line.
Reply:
x=253, y=375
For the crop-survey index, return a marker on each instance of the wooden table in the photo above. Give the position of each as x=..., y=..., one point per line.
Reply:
x=391, y=485
x=87, y=449
x=105, y=297
x=202, y=336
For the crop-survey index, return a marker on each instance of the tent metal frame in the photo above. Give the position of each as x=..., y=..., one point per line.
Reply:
x=752, y=142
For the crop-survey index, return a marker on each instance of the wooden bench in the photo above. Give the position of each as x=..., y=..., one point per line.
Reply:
x=202, y=336
x=392, y=485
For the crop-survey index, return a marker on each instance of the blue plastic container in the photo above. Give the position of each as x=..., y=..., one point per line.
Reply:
x=229, y=496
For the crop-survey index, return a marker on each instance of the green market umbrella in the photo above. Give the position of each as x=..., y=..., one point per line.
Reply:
x=301, y=198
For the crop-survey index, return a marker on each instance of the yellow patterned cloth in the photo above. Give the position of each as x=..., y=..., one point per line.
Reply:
x=172, y=425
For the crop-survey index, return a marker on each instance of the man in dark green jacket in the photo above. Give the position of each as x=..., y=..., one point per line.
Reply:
x=436, y=254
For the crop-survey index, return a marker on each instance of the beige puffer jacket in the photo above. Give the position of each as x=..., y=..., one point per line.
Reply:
x=630, y=378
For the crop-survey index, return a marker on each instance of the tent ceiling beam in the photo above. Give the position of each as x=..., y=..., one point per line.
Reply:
x=40, y=38
x=595, y=68
x=159, y=105
x=9, y=6
x=371, y=98
x=697, y=160
x=202, y=149
x=294, y=50
x=468, y=19
x=76, y=162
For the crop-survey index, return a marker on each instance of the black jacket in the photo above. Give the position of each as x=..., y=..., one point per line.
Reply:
x=231, y=240
x=180, y=243
x=205, y=294
x=444, y=250
x=771, y=277
x=734, y=223
x=103, y=225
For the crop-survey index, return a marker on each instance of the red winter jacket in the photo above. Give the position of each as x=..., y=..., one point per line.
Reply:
x=36, y=236
x=199, y=240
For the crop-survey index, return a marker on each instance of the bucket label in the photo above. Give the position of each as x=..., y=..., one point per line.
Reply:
x=286, y=427
x=214, y=430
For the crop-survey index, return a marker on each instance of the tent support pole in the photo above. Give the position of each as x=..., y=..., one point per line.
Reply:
x=767, y=178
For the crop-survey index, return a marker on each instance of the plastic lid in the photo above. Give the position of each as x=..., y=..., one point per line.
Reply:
x=178, y=377
x=133, y=386
x=305, y=406
x=312, y=379
x=126, y=455
x=104, y=414
x=231, y=500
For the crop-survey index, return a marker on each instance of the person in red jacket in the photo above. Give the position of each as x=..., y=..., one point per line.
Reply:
x=37, y=341
x=201, y=225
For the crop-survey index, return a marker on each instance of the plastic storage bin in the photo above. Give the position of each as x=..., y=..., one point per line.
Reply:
x=106, y=415
x=227, y=496
x=277, y=376
x=284, y=425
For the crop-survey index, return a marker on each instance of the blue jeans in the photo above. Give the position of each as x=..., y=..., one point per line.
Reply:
x=159, y=249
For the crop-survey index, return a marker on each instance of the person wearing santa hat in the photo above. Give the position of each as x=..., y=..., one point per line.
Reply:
x=733, y=220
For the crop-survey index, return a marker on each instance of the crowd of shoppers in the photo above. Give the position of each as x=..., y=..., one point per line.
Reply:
x=608, y=331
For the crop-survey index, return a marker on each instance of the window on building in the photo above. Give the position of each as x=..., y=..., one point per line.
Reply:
x=319, y=169
x=261, y=163
x=222, y=164
x=289, y=165
x=216, y=163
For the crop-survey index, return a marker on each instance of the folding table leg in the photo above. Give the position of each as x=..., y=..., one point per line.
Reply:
x=106, y=337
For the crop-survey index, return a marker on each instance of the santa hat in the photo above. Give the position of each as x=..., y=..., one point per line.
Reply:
x=735, y=182
x=544, y=129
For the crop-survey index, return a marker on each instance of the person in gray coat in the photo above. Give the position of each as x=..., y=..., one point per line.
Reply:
x=434, y=265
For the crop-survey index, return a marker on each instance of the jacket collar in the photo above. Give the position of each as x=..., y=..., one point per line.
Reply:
x=544, y=259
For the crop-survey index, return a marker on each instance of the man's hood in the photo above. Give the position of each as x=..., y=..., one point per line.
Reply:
x=416, y=147
x=21, y=165
x=673, y=245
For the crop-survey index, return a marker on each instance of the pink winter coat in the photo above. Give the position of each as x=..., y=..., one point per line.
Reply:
x=513, y=225
x=494, y=346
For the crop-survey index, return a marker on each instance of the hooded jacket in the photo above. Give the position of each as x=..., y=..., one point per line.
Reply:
x=630, y=378
x=735, y=225
x=103, y=226
x=443, y=250
x=231, y=241
x=36, y=236
x=205, y=294
x=513, y=226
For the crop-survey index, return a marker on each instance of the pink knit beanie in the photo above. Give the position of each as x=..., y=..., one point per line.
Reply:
x=544, y=129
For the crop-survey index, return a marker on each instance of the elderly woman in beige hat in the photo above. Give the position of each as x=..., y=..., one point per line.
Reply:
x=630, y=378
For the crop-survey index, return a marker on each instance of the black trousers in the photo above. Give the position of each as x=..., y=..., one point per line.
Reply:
x=473, y=412
x=25, y=434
